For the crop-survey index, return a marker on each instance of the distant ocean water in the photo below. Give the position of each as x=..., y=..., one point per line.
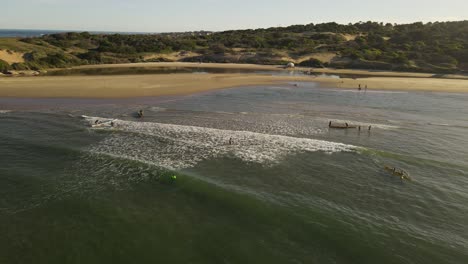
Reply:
x=26, y=33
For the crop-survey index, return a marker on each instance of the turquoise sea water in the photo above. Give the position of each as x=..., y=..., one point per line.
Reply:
x=288, y=190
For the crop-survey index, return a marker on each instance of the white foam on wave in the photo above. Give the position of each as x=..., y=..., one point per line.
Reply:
x=438, y=124
x=157, y=109
x=5, y=111
x=179, y=147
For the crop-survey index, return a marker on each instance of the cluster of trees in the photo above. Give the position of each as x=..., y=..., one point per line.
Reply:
x=4, y=66
x=439, y=46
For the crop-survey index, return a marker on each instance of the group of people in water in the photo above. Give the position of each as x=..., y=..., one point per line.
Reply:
x=346, y=126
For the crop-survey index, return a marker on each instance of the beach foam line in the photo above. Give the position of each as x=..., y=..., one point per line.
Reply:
x=438, y=124
x=5, y=111
x=448, y=125
x=178, y=147
x=157, y=109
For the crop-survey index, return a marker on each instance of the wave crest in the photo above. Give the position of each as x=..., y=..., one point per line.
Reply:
x=179, y=147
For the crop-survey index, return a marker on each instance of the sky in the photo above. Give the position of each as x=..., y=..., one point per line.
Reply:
x=216, y=15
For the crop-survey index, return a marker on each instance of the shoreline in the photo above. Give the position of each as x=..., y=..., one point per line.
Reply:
x=348, y=72
x=133, y=86
x=344, y=73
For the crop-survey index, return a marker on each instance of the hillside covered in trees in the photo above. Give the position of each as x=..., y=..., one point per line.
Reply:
x=440, y=47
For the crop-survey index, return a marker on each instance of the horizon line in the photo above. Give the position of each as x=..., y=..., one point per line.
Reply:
x=214, y=31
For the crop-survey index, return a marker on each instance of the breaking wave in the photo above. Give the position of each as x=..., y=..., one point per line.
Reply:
x=178, y=147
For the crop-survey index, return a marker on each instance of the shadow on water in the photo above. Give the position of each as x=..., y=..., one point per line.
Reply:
x=176, y=70
x=143, y=70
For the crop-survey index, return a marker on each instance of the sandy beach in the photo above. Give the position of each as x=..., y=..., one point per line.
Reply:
x=124, y=86
x=128, y=85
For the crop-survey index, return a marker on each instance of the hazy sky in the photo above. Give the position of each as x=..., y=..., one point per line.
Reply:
x=185, y=15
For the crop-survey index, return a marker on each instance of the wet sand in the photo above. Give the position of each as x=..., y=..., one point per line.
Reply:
x=125, y=86
x=400, y=83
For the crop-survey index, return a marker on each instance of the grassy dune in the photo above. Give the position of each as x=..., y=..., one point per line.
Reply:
x=16, y=45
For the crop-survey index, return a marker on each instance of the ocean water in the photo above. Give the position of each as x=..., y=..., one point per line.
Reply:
x=287, y=190
x=27, y=33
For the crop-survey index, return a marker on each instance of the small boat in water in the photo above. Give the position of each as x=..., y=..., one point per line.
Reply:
x=341, y=125
x=346, y=126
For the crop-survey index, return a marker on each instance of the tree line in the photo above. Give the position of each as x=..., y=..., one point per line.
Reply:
x=436, y=47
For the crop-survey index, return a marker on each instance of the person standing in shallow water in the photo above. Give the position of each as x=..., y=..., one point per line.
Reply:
x=230, y=141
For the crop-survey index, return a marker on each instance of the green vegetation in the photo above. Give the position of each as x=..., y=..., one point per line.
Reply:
x=4, y=66
x=433, y=47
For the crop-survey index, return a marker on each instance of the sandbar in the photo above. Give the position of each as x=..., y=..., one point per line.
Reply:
x=127, y=86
